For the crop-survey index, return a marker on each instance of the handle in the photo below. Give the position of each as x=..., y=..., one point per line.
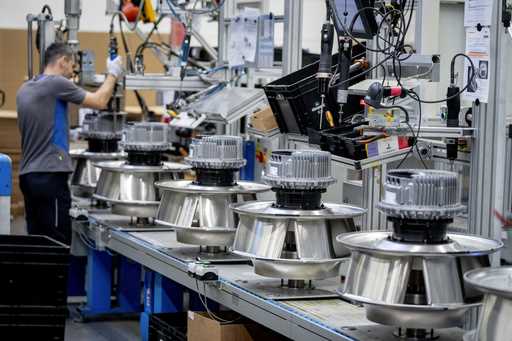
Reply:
x=113, y=48
x=453, y=105
x=326, y=48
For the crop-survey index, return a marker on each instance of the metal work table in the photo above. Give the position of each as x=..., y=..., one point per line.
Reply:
x=305, y=319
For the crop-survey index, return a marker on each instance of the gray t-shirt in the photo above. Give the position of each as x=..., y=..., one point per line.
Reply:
x=42, y=104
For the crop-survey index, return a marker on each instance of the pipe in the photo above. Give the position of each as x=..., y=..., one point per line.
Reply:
x=30, y=52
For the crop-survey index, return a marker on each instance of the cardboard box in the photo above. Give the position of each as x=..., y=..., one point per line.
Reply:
x=264, y=120
x=202, y=327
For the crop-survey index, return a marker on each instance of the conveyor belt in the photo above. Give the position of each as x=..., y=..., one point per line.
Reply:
x=298, y=319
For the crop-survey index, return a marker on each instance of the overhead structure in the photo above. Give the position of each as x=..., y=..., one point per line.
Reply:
x=199, y=210
x=293, y=238
x=411, y=278
x=129, y=185
x=102, y=130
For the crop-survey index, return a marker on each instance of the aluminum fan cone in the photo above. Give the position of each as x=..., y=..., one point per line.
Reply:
x=85, y=174
x=412, y=277
x=494, y=318
x=265, y=232
x=131, y=189
x=382, y=272
x=201, y=214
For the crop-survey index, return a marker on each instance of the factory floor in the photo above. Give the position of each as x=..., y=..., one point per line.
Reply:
x=112, y=330
x=102, y=331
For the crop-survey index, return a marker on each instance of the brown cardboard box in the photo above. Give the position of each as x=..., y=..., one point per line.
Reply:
x=202, y=327
x=264, y=120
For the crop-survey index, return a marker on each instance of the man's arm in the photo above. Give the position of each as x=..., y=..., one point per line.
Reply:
x=99, y=99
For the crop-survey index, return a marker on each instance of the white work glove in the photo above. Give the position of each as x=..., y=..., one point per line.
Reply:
x=115, y=67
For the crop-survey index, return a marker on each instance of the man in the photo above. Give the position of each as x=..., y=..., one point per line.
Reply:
x=43, y=123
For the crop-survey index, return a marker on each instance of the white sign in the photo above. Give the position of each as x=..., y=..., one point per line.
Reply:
x=478, y=12
x=478, y=47
x=243, y=37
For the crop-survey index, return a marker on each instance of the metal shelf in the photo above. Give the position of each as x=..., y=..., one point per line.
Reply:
x=426, y=131
x=263, y=135
x=153, y=81
x=370, y=162
x=356, y=164
x=312, y=319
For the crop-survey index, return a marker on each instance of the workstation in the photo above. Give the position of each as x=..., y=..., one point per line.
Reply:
x=256, y=169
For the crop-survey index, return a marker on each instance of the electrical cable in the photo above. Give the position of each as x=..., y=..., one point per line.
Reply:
x=122, y=17
x=154, y=28
x=415, y=137
x=46, y=8
x=423, y=74
x=205, y=304
x=197, y=11
x=470, y=80
x=395, y=50
x=418, y=132
x=378, y=50
x=361, y=74
x=140, y=100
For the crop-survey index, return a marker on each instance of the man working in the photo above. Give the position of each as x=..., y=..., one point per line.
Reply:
x=43, y=124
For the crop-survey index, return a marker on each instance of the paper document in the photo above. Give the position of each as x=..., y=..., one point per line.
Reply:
x=478, y=48
x=478, y=12
x=243, y=37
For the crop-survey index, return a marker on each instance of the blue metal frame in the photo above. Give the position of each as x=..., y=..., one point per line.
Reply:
x=99, y=285
x=76, y=277
x=247, y=172
x=163, y=295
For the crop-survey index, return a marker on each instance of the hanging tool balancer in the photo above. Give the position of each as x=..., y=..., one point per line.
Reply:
x=324, y=67
x=114, y=105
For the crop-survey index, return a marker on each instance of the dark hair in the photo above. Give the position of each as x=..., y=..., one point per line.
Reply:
x=55, y=51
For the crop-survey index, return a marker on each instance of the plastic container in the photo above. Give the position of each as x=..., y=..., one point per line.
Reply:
x=168, y=327
x=32, y=323
x=34, y=271
x=295, y=100
x=343, y=141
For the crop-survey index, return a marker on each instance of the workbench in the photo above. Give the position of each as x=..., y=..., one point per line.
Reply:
x=307, y=319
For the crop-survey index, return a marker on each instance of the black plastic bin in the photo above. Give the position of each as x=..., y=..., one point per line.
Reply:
x=33, y=288
x=343, y=141
x=34, y=271
x=168, y=327
x=32, y=323
x=295, y=100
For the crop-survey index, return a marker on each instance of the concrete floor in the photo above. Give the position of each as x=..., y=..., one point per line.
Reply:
x=102, y=331
x=125, y=330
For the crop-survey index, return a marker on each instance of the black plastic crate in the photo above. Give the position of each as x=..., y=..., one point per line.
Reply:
x=295, y=100
x=343, y=141
x=33, y=323
x=168, y=327
x=39, y=333
x=34, y=271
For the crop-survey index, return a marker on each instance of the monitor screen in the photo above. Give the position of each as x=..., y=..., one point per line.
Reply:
x=344, y=11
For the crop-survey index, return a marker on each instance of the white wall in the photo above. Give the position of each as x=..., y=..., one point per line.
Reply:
x=13, y=13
